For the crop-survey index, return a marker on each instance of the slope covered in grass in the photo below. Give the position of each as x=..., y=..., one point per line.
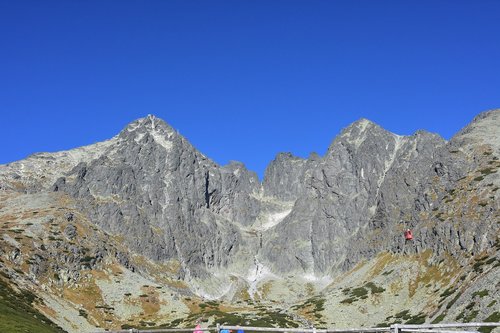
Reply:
x=17, y=313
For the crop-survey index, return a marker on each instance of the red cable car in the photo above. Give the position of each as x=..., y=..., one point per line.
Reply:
x=408, y=235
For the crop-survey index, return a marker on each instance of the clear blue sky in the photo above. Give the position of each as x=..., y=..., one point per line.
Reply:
x=242, y=80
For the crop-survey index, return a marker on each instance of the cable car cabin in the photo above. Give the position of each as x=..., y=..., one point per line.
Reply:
x=408, y=235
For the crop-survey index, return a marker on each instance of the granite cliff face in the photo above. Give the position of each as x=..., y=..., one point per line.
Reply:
x=165, y=198
x=221, y=234
x=357, y=200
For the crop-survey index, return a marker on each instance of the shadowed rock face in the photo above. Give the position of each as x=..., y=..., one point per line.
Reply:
x=316, y=216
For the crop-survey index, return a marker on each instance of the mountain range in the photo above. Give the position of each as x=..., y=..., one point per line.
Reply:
x=143, y=230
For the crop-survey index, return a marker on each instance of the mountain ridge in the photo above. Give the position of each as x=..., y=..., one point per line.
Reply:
x=222, y=234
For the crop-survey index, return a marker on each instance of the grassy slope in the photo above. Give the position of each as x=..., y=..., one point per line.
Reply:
x=18, y=315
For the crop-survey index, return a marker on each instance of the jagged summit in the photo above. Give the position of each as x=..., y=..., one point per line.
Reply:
x=151, y=131
x=355, y=132
x=150, y=122
x=360, y=124
x=151, y=125
x=358, y=127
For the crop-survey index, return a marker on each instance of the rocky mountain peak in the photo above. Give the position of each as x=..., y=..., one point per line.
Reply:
x=358, y=132
x=150, y=122
x=150, y=127
x=483, y=130
x=358, y=127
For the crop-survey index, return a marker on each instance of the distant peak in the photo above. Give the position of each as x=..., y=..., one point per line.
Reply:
x=357, y=132
x=359, y=127
x=363, y=122
x=150, y=123
x=151, y=118
x=150, y=127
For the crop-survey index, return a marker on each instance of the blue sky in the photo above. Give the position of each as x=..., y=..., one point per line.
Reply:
x=242, y=80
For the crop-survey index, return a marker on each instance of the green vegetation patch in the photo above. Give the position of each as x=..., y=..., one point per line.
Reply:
x=478, y=265
x=453, y=301
x=493, y=318
x=470, y=305
x=467, y=318
x=406, y=317
x=448, y=292
x=416, y=319
x=481, y=293
x=361, y=292
x=355, y=295
x=374, y=289
x=488, y=171
x=439, y=318
x=490, y=261
x=348, y=300
x=17, y=313
x=471, y=316
x=460, y=316
x=261, y=319
x=317, y=302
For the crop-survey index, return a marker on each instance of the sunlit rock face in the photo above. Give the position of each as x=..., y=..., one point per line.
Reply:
x=321, y=215
x=310, y=219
